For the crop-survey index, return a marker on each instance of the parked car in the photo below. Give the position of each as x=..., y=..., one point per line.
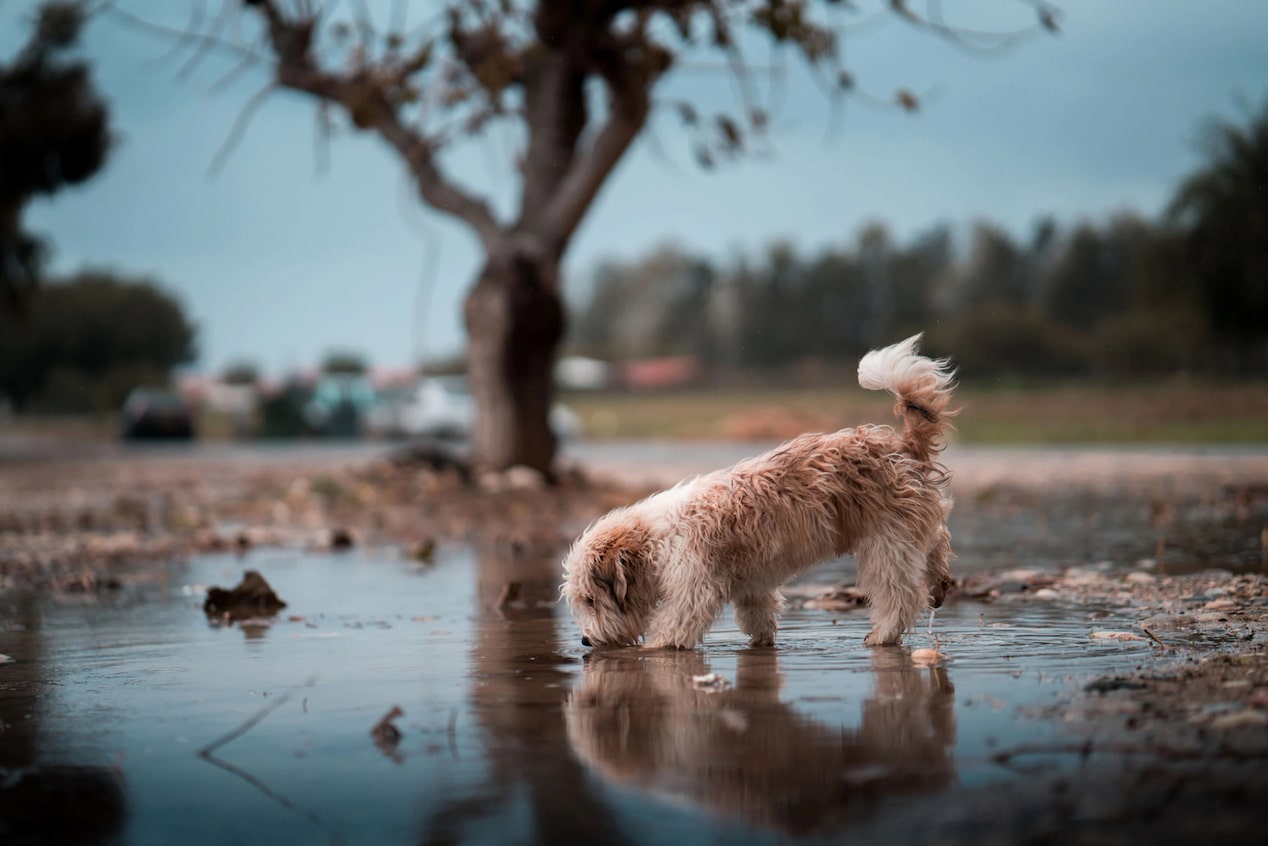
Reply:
x=339, y=404
x=156, y=413
x=442, y=407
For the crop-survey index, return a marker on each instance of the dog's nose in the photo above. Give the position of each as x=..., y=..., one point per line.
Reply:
x=585, y=641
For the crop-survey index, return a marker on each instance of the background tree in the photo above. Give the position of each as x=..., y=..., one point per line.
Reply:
x=89, y=340
x=1222, y=214
x=344, y=363
x=575, y=79
x=53, y=133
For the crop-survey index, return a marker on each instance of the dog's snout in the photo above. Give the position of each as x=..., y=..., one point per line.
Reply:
x=585, y=641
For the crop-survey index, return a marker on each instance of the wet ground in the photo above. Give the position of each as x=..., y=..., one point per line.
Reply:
x=126, y=714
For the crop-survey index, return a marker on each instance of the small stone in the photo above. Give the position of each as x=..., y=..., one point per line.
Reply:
x=1116, y=636
x=1140, y=578
x=1240, y=719
x=926, y=657
x=342, y=539
x=521, y=478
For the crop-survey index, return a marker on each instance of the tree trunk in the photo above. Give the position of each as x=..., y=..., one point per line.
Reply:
x=515, y=321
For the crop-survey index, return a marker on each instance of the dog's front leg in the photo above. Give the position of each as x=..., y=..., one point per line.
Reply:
x=690, y=605
x=758, y=617
x=892, y=574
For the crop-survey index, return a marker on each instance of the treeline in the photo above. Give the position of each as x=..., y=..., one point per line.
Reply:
x=1125, y=296
x=86, y=341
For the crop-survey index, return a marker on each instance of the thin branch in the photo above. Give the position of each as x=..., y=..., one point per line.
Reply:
x=239, y=128
x=232, y=74
x=138, y=22
x=252, y=721
x=367, y=102
x=204, y=47
x=207, y=753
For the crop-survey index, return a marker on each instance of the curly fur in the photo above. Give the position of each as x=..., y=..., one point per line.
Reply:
x=664, y=567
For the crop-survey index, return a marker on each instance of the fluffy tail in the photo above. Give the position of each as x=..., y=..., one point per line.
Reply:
x=923, y=387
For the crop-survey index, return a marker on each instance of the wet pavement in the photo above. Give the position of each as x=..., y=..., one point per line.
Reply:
x=166, y=728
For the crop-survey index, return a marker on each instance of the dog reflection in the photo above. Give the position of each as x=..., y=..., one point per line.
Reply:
x=639, y=720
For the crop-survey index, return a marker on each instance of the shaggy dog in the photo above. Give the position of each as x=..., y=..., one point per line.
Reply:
x=664, y=567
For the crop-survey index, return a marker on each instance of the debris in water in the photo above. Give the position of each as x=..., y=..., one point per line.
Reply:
x=341, y=539
x=1116, y=636
x=927, y=657
x=1240, y=719
x=5, y=659
x=840, y=598
x=251, y=598
x=386, y=735
x=710, y=681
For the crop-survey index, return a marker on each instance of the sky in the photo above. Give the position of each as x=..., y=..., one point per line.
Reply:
x=279, y=260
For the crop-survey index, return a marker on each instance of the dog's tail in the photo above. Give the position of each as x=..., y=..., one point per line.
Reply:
x=923, y=387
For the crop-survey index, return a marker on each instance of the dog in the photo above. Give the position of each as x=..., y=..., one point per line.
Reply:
x=662, y=569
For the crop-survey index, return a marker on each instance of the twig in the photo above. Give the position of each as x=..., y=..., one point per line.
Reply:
x=240, y=124
x=453, y=733
x=1154, y=637
x=206, y=753
x=252, y=721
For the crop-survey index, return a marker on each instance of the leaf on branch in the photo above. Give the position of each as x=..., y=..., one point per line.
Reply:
x=687, y=113
x=758, y=118
x=845, y=80
x=1048, y=20
x=907, y=100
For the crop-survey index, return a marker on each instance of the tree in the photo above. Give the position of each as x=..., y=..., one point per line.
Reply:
x=90, y=340
x=1222, y=214
x=541, y=66
x=53, y=133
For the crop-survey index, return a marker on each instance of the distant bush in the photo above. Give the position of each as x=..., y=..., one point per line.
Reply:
x=89, y=340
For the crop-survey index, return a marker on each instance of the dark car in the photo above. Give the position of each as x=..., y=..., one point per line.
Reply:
x=156, y=413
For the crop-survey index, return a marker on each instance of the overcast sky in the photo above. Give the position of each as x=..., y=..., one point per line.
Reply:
x=279, y=264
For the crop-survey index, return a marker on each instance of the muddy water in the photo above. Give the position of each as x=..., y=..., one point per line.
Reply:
x=132, y=717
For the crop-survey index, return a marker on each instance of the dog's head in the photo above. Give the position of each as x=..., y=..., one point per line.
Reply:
x=938, y=568
x=610, y=583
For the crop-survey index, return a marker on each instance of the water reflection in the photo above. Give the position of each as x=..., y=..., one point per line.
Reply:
x=43, y=801
x=519, y=681
x=638, y=720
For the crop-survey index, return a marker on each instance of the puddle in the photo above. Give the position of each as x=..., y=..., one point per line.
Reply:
x=510, y=732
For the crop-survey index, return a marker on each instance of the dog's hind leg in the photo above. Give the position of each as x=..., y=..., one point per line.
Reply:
x=758, y=617
x=691, y=604
x=892, y=574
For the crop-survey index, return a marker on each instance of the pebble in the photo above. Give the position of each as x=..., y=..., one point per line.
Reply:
x=1240, y=719
x=1116, y=636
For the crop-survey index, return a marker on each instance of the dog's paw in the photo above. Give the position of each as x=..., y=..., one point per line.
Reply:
x=873, y=639
x=762, y=640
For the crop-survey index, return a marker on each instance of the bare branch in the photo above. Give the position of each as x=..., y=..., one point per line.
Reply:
x=364, y=96
x=239, y=128
x=138, y=22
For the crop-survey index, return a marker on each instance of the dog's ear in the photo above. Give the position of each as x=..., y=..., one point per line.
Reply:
x=609, y=577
